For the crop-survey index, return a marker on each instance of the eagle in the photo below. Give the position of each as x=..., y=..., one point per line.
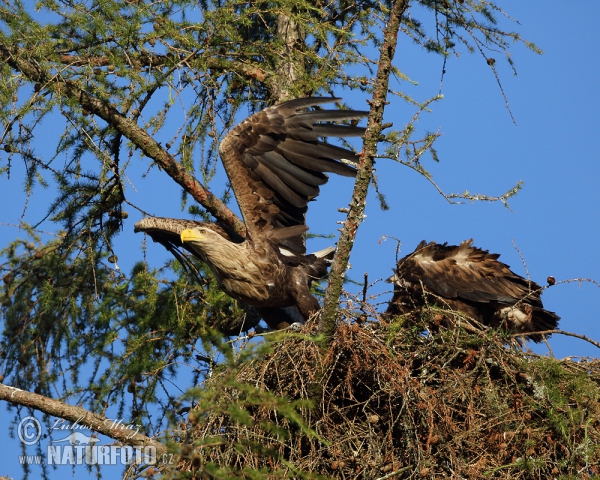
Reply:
x=471, y=281
x=276, y=161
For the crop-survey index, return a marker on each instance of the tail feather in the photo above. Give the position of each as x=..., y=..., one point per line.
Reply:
x=321, y=260
x=544, y=319
x=326, y=253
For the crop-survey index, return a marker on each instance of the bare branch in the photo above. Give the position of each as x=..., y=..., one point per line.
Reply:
x=80, y=415
x=561, y=332
x=364, y=174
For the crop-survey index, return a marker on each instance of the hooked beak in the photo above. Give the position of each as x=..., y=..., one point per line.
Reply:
x=190, y=235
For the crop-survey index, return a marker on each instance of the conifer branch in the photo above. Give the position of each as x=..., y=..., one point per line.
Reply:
x=364, y=174
x=147, y=59
x=128, y=128
x=96, y=422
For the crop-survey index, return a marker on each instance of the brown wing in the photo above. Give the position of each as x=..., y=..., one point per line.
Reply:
x=468, y=273
x=276, y=161
x=472, y=281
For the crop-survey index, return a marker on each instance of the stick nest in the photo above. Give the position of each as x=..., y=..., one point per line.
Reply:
x=387, y=401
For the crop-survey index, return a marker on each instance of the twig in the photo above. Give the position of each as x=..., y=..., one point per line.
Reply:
x=561, y=332
x=522, y=261
x=395, y=472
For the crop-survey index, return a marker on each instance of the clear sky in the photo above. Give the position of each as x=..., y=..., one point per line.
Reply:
x=554, y=220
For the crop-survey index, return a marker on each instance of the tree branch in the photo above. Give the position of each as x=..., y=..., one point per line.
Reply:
x=147, y=59
x=128, y=128
x=80, y=415
x=560, y=332
x=364, y=174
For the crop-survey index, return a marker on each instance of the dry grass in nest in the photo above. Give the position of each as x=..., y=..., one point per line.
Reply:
x=391, y=402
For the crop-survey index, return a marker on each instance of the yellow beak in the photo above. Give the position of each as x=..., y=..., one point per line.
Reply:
x=189, y=235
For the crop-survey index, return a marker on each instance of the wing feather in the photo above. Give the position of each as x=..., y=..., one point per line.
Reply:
x=309, y=177
x=318, y=164
x=321, y=151
x=291, y=106
x=468, y=273
x=276, y=159
x=296, y=184
x=275, y=181
x=329, y=130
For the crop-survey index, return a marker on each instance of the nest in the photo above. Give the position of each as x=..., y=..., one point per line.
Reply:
x=388, y=401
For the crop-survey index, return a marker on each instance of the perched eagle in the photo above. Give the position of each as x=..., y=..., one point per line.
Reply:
x=471, y=281
x=275, y=161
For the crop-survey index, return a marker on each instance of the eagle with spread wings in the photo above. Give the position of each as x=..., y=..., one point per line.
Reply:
x=471, y=281
x=276, y=161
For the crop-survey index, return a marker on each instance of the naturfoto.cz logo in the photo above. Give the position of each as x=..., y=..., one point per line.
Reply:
x=76, y=448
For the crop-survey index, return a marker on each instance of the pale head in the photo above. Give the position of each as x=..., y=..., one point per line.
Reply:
x=199, y=235
x=205, y=240
x=217, y=251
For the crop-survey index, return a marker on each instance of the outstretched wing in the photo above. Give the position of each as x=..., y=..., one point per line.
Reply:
x=275, y=160
x=467, y=273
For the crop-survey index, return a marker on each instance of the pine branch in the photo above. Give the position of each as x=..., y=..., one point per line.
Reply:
x=80, y=415
x=364, y=174
x=147, y=59
x=128, y=128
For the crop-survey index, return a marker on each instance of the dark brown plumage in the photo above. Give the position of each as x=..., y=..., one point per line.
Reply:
x=472, y=281
x=276, y=162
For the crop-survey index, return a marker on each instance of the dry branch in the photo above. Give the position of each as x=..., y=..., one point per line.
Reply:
x=80, y=415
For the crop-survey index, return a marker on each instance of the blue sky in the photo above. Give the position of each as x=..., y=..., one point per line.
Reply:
x=553, y=221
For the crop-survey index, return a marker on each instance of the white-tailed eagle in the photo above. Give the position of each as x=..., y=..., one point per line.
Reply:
x=276, y=161
x=471, y=281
